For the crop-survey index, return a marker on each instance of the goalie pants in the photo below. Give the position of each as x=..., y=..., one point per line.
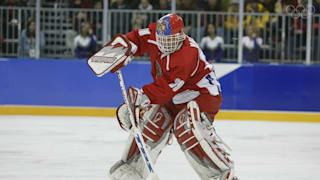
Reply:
x=208, y=159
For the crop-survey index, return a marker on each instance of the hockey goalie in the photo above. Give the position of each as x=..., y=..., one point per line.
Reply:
x=181, y=102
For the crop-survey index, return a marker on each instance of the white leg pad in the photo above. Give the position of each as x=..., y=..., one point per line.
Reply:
x=122, y=171
x=157, y=131
x=203, y=152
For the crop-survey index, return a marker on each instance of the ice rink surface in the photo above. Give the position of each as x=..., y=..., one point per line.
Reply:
x=78, y=148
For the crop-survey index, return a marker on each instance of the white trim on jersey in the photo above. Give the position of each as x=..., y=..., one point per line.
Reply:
x=195, y=70
x=211, y=83
x=202, y=57
x=143, y=32
x=185, y=96
x=168, y=63
x=163, y=55
x=178, y=83
x=134, y=47
x=153, y=42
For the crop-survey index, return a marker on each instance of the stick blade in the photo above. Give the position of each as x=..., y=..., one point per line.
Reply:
x=154, y=176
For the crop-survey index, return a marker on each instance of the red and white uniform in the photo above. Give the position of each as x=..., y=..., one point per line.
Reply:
x=189, y=96
x=180, y=76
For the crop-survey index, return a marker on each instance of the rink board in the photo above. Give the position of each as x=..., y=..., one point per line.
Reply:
x=111, y=112
x=68, y=87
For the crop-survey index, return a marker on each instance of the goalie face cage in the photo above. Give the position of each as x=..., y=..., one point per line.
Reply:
x=170, y=43
x=111, y=55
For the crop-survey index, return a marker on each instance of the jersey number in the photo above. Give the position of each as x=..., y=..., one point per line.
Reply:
x=210, y=79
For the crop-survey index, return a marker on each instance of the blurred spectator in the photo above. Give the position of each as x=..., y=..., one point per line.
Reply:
x=212, y=5
x=31, y=3
x=178, y=4
x=98, y=4
x=97, y=19
x=316, y=5
x=190, y=20
x=27, y=42
x=81, y=4
x=212, y=45
x=295, y=29
x=278, y=10
x=160, y=5
x=216, y=19
x=75, y=3
x=232, y=22
x=85, y=43
x=10, y=25
x=50, y=3
x=87, y=4
x=11, y=16
x=251, y=44
x=81, y=16
x=138, y=21
x=316, y=29
x=257, y=20
x=13, y=3
x=119, y=4
x=269, y=5
x=163, y=5
x=188, y=5
x=69, y=42
x=276, y=21
x=145, y=5
x=120, y=21
x=1, y=43
x=130, y=4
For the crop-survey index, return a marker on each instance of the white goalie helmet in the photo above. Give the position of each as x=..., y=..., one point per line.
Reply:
x=169, y=33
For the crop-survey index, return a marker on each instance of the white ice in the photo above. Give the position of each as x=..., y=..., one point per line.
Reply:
x=82, y=148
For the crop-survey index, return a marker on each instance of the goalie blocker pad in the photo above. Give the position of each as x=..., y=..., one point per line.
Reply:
x=113, y=56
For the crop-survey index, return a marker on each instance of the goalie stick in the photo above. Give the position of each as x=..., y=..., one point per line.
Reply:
x=111, y=58
x=136, y=131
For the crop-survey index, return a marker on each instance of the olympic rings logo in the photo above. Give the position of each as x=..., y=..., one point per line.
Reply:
x=300, y=11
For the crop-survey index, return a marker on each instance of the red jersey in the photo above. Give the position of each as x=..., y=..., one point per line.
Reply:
x=180, y=76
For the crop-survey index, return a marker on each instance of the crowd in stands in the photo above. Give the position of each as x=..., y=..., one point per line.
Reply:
x=27, y=43
x=85, y=43
x=215, y=32
x=212, y=45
